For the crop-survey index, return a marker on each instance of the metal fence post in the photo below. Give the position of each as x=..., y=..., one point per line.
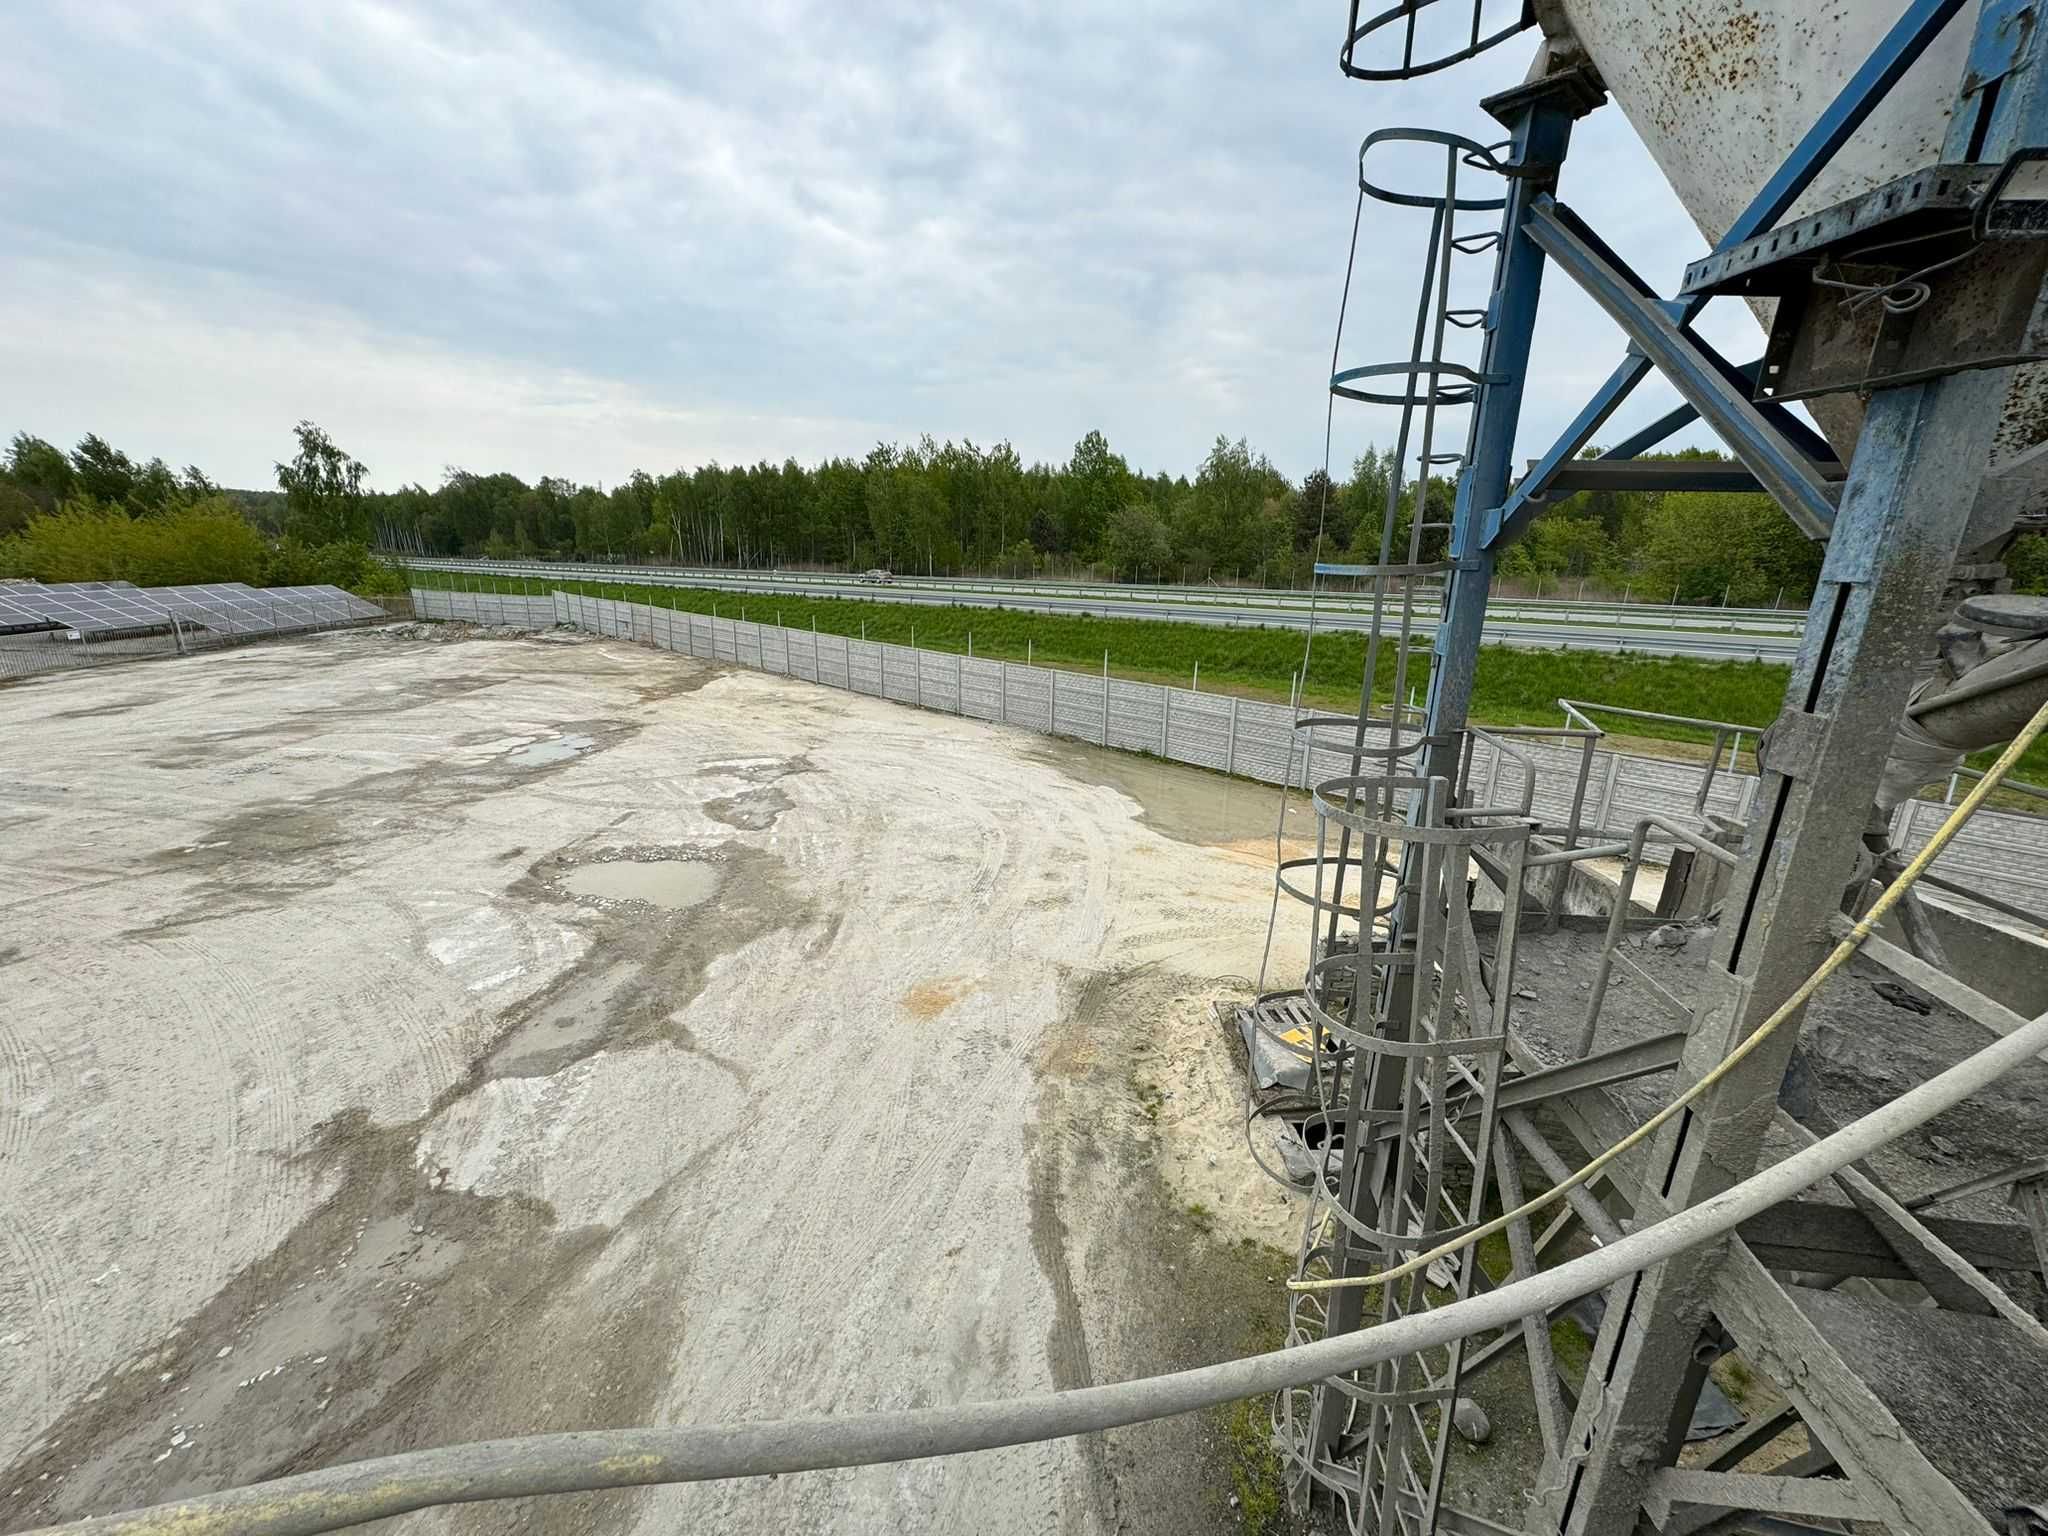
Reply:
x=1607, y=790
x=1230, y=741
x=1003, y=691
x=1105, y=697
x=958, y=702
x=1165, y=718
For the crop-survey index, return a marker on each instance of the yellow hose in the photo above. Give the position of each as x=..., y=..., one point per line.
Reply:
x=1837, y=958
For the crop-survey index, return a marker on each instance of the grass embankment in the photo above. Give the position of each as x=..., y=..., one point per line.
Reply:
x=1512, y=686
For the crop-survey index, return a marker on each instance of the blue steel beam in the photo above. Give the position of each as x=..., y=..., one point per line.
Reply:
x=1789, y=427
x=1810, y=442
x=1541, y=132
x=1693, y=369
x=1510, y=520
x=1895, y=53
x=1655, y=433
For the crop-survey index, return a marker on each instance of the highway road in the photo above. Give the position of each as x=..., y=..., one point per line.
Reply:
x=1746, y=634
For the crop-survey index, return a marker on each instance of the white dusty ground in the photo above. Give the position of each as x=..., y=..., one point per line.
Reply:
x=332, y=1125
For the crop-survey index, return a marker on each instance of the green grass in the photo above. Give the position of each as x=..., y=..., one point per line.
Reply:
x=1735, y=1378
x=1257, y=1475
x=1573, y=1349
x=1511, y=687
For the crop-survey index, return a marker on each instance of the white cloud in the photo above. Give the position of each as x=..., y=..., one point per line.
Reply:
x=576, y=240
x=214, y=379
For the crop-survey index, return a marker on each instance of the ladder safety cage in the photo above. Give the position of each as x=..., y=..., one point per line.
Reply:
x=1458, y=43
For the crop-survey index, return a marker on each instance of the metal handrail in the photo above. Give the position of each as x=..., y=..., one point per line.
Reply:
x=1589, y=738
x=1502, y=749
x=1617, y=919
x=2017, y=786
x=1726, y=733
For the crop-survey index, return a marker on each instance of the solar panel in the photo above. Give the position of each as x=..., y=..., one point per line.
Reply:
x=103, y=609
x=332, y=601
x=106, y=612
x=17, y=617
x=226, y=607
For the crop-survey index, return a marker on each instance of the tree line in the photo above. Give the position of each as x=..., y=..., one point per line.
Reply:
x=927, y=507
x=952, y=508
x=96, y=514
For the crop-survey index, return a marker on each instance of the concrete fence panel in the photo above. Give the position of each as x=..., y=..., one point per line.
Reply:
x=2003, y=854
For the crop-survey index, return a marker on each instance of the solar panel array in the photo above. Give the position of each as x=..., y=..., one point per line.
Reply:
x=16, y=616
x=105, y=609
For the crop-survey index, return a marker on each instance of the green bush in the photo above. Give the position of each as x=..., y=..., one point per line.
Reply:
x=342, y=563
x=206, y=540
x=200, y=541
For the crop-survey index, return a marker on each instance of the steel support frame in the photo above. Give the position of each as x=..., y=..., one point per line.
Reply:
x=1922, y=452
x=1841, y=1413
x=1707, y=383
x=1540, y=132
x=1895, y=53
x=1903, y=518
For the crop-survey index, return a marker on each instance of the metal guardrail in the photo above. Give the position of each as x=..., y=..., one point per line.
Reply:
x=1553, y=609
x=1726, y=734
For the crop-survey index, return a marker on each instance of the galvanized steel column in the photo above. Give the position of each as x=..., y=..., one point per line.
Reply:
x=1905, y=509
x=1539, y=118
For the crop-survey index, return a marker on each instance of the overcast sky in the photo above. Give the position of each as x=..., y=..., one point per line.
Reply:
x=586, y=239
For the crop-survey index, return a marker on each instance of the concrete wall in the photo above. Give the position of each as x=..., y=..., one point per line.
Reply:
x=1999, y=853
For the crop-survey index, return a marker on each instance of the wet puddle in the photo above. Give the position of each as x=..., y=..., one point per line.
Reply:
x=676, y=884
x=558, y=750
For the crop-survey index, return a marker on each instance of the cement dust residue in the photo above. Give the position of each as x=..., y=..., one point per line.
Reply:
x=673, y=884
x=347, y=1124
x=928, y=999
x=1188, y=1075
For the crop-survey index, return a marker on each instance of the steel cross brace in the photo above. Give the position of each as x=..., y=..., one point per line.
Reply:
x=1708, y=385
x=1803, y=437
x=1895, y=53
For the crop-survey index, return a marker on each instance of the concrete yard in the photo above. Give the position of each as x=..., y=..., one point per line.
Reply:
x=351, y=1101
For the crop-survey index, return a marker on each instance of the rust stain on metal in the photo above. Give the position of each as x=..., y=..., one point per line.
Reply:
x=2025, y=422
x=1718, y=47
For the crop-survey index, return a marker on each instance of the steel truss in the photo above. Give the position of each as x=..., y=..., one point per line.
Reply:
x=1895, y=522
